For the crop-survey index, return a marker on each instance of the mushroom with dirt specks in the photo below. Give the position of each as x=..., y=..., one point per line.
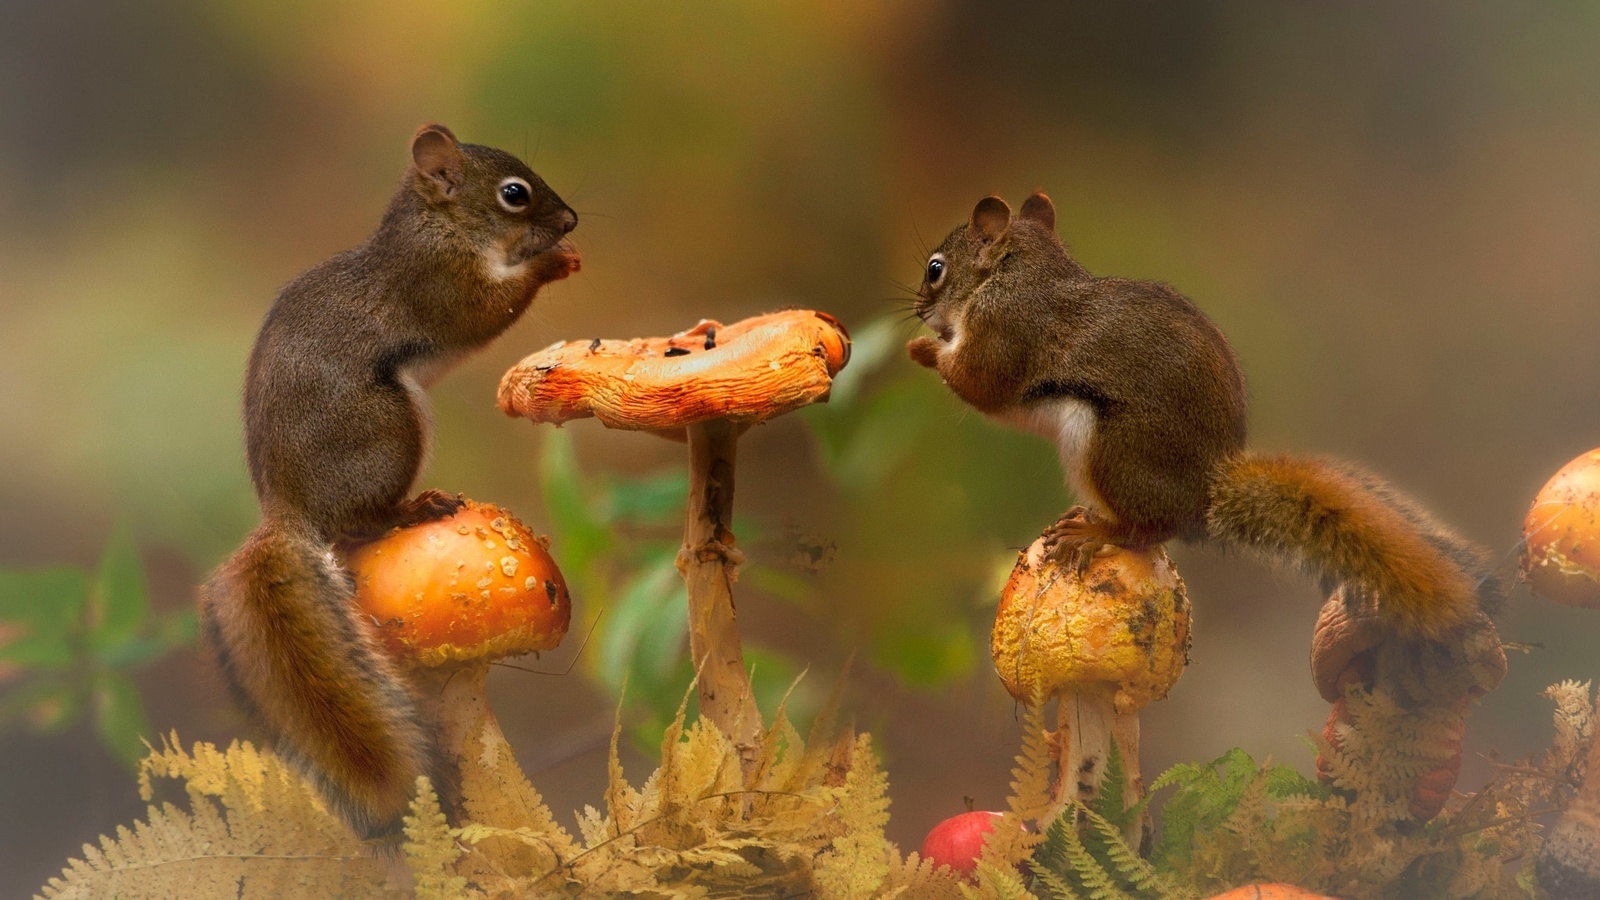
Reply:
x=1106, y=642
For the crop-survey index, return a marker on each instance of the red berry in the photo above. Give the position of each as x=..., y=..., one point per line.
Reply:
x=957, y=842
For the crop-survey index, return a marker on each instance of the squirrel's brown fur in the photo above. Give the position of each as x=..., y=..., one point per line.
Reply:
x=336, y=430
x=1146, y=401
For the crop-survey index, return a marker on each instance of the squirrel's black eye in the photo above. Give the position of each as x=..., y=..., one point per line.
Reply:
x=514, y=194
x=935, y=269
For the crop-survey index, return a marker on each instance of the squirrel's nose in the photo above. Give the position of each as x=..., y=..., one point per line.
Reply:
x=567, y=220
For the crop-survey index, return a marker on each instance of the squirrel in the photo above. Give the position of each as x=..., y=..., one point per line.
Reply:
x=1146, y=401
x=336, y=431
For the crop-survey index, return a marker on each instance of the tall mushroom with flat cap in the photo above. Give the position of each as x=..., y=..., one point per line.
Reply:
x=707, y=384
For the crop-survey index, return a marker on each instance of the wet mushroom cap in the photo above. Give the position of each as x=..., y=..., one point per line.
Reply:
x=477, y=585
x=1123, y=624
x=745, y=372
x=1561, y=556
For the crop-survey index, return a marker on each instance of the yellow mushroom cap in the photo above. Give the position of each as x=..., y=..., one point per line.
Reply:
x=475, y=586
x=1123, y=624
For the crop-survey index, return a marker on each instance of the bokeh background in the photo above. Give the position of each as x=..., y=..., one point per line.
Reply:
x=1392, y=209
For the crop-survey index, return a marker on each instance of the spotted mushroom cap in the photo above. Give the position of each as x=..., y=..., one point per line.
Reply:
x=1123, y=625
x=746, y=372
x=475, y=586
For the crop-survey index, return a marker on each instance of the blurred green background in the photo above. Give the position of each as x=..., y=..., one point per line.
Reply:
x=1392, y=209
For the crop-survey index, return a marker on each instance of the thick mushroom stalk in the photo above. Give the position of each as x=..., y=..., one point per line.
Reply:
x=707, y=384
x=451, y=596
x=1105, y=642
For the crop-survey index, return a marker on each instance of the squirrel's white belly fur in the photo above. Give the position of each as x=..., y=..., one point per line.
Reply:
x=1070, y=423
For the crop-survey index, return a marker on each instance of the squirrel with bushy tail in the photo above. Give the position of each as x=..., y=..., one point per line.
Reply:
x=336, y=431
x=1144, y=398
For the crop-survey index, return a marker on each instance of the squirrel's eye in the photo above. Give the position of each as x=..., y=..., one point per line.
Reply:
x=514, y=194
x=935, y=269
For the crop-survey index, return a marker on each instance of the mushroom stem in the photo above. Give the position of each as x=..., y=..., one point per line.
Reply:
x=709, y=563
x=1569, y=861
x=1087, y=727
x=461, y=707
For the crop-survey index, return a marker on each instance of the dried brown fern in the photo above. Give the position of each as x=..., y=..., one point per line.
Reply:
x=252, y=829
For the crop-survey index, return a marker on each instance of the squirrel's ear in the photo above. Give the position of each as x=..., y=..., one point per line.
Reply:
x=1038, y=208
x=990, y=219
x=437, y=157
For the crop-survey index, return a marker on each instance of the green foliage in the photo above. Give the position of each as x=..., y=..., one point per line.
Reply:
x=69, y=640
x=927, y=502
x=1233, y=821
x=1207, y=795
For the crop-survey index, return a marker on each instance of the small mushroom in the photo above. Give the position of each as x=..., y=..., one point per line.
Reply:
x=450, y=596
x=707, y=385
x=1105, y=643
x=1274, y=891
x=1561, y=561
x=1353, y=646
x=1561, y=535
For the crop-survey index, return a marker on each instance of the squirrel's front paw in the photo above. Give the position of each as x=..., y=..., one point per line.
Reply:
x=924, y=351
x=1078, y=537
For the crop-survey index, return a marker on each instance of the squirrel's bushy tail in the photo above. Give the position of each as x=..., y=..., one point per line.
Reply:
x=280, y=617
x=1349, y=527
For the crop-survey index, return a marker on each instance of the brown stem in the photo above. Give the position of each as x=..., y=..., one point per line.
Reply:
x=709, y=563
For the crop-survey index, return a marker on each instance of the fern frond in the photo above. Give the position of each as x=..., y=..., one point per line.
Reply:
x=253, y=829
x=1001, y=883
x=431, y=851
x=857, y=862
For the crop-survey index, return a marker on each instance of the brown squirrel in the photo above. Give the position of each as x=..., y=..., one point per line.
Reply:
x=336, y=430
x=1145, y=399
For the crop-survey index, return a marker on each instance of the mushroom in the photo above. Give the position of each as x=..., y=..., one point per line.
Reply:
x=707, y=385
x=1106, y=642
x=450, y=596
x=1561, y=535
x=1275, y=891
x=1561, y=561
x=1353, y=646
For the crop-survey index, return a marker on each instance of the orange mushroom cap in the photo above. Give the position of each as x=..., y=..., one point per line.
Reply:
x=1561, y=556
x=477, y=585
x=746, y=372
x=1123, y=624
x=1271, y=892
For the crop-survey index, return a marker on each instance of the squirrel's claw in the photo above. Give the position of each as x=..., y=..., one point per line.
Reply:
x=429, y=506
x=1077, y=538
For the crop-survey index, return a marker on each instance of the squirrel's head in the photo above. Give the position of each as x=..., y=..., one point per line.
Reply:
x=988, y=269
x=487, y=196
